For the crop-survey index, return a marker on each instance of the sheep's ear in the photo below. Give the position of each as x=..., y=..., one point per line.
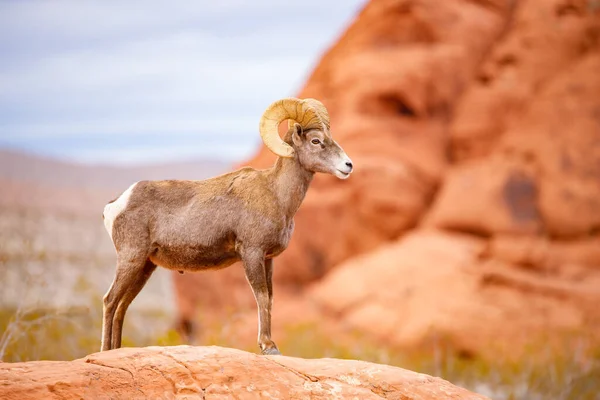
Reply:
x=298, y=134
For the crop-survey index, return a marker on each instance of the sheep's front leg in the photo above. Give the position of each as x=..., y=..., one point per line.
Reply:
x=269, y=275
x=259, y=279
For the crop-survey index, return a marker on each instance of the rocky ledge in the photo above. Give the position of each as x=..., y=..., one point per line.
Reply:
x=186, y=372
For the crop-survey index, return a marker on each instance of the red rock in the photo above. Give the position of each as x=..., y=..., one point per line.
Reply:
x=536, y=104
x=448, y=285
x=201, y=296
x=486, y=197
x=213, y=372
x=478, y=118
x=544, y=39
x=544, y=254
x=560, y=133
x=389, y=84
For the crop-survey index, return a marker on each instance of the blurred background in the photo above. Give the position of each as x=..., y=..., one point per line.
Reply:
x=465, y=245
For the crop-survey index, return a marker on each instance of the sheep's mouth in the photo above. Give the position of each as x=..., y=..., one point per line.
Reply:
x=341, y=174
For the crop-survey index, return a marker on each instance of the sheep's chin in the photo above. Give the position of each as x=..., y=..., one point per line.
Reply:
x=341, y=175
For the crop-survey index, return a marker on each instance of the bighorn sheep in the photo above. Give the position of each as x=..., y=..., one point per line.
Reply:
x=244, y=215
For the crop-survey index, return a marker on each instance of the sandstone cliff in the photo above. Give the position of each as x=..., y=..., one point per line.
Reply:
x=517, y=253
x=479, y=121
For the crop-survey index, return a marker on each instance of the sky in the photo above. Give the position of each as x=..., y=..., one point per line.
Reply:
x=138, y=82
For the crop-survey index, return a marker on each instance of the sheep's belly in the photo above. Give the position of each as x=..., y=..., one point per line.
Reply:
x=193, y=258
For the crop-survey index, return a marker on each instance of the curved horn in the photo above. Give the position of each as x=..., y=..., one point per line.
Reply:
x=308, y=113
x=320, y=109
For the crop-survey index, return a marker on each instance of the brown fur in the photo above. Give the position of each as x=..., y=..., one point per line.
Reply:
x=246, y=215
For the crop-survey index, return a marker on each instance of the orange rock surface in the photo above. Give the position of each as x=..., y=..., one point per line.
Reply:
x=525, y=138
x=215, y=373
x=460, y=288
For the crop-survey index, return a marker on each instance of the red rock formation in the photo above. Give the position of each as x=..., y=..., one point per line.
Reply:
x=523, y=178
x=390, y=84
x=215, y=373
x=460, y=288
x=479, y=118
x=526, y=134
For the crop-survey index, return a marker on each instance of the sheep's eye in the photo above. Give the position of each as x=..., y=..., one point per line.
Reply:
x=315, y=141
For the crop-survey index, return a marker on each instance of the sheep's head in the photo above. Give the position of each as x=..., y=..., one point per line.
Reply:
x=309, y=138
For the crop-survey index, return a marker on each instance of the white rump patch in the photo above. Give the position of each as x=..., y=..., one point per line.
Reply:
x=112, y=210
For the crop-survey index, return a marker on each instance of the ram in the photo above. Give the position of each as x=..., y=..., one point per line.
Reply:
x=246, y=215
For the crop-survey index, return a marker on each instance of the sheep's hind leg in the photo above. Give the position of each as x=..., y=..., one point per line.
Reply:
x=132, y=291
x=130, y=278
x=107, y=317
x=258, y=272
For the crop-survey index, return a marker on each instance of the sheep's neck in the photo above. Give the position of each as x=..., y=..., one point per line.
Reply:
x=291, y=181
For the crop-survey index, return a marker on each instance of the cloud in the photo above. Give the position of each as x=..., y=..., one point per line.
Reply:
x=73, y=70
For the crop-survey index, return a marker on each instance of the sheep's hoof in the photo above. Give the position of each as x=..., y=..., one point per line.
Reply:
x=271, y=351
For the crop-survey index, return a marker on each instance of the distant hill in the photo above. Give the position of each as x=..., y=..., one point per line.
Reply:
x=29, y=168
x=33, y=182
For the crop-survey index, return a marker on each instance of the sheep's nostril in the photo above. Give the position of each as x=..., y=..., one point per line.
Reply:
x=349, y=164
